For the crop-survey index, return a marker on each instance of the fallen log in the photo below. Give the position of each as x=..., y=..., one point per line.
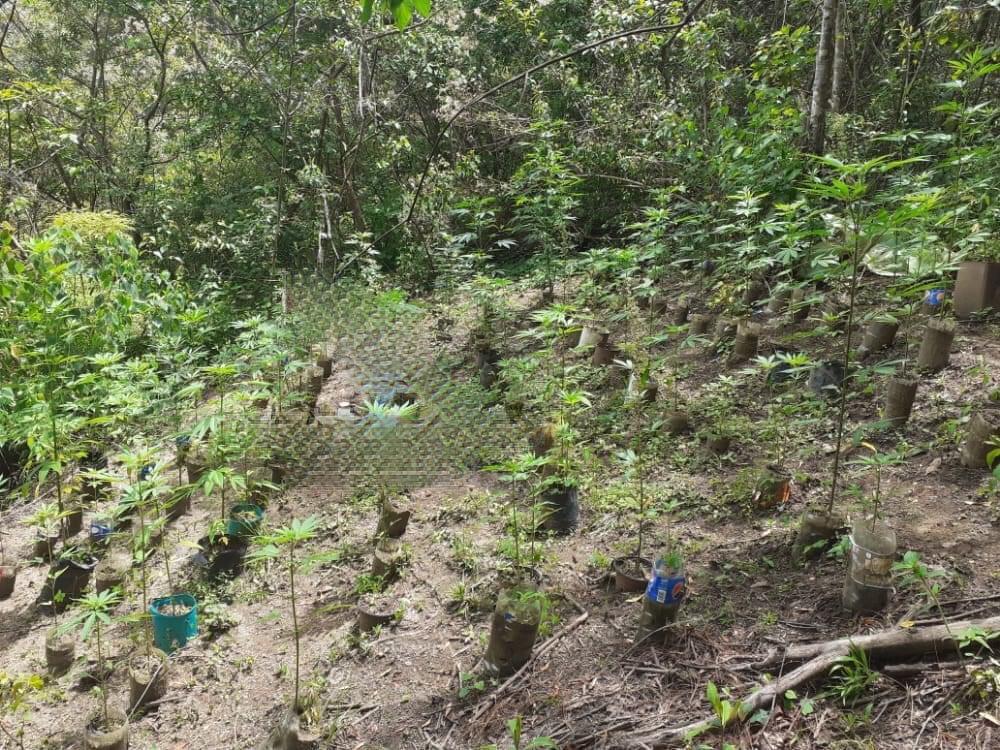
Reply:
x=891, y=645
x=818, y=659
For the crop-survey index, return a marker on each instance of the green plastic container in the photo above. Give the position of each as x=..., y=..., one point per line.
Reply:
x=240, y=527
x=170, y=631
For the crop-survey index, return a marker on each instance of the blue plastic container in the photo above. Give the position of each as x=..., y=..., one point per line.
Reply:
x=666, y=587
x=934, y=297
x=171, y=632
x=100, y=531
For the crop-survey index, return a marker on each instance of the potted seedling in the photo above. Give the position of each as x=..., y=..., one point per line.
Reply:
x=559, y=491
x=142, y=486
x=664, y=593
x=285, y=542
x=68, y=577
x=868, y=584
x=45, y=522
x=977, y=286
x=108, y=728
x=631, y=572
x=519, y=606
x=375, y=608
x=849, y=188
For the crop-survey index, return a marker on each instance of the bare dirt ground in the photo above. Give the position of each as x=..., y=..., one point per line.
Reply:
x=414, y=684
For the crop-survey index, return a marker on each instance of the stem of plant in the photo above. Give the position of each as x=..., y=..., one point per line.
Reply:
x=847, y=360
x=295, y=621
x=100, y=667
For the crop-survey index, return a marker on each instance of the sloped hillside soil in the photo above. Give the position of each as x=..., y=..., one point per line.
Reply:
x=417, y=681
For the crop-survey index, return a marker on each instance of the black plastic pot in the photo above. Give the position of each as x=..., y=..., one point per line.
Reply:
x=223, y=558
x=69, y=577
x=560, y=509
x=73, y=520
x=604, y=352
x=45, y=545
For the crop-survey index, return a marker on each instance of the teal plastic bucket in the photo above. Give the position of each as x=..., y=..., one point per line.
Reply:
x=238, y=527
x=171, y=632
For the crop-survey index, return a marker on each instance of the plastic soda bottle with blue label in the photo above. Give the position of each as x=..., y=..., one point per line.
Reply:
x=667, y=586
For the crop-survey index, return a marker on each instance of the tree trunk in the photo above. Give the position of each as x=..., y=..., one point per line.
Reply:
x=839, y=61
x=823, y=80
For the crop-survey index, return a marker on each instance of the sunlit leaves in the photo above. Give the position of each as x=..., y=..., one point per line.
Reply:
x=402, y=11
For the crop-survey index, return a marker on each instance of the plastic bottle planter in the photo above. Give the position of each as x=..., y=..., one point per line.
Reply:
x=324, y=362
x=977, y=288
x=779, y=301
x=179, y=503
x=8, y=578
x=604, y=353
x=590, y=336
x=60, y=650
x=677, y=422
x=935, y=346
x=774, y=486
x=513, y=631
x=101, y=531
x=635, y=390
x=934, y=300
x=816, y=528
x=983, y=428
x=175, y=621
x=111, y=571
x=374, y=611
x=97, y=736
x=725, y=330
x=631, y=573
x=69, y=577
x=681, y=312
x=868, y=585
x=878, y=335
x=747, y=337
x=387, y=559
x=73, y=522
x=899, y=395
x=755, y=291
x=488, y=375
x=244, y=520
x=147, y=677
x=662, y=601
x=560, y=509
x=700, y=325
x=393, y=520
x=46, y=544
x=798, y=308
x=657, y=304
